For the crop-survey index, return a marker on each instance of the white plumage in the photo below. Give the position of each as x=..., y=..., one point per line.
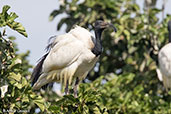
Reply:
x=71, y=56
x=164, y=59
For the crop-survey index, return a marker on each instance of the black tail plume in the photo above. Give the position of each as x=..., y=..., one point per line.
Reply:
x=169, y=29
x=37, y=70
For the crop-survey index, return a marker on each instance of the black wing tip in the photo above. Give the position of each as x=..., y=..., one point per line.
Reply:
x=49, y=85
x=169, y=25
x=37, y=70
x=169, y=22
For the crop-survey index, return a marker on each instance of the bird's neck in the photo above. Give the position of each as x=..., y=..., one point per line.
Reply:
x=97, y=50
x=98, y=34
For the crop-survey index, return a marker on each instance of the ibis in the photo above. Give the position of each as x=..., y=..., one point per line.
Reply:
x=70, y=57
x=164, y=59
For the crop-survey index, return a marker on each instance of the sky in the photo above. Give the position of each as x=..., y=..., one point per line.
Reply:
x=34, y=16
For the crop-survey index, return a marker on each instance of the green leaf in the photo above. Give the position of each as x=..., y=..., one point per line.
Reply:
x=135, y=7
x=32, y=96
x=54, y=14
x=14, y=76
x=71, y=98
x=25, y=99
x=128, y=95
x=5, y=9
x=12, y=17
x=24, y=81
x=18, y=85
x=124, y=18
x=8, y=20
x=40, y=103
x=126, y=32
x=62, y=21
x=54, y=108
x=18, y=27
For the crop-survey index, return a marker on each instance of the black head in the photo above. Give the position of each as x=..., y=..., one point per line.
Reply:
x=169, y=26
x=101, y=25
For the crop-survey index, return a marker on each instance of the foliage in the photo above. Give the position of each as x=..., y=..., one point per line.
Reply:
x=123, y=81
x=8, y=19
x=16, y=93
x=85, y=103
x=130, y=55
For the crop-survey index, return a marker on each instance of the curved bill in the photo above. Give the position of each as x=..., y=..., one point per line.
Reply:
x=114, y=28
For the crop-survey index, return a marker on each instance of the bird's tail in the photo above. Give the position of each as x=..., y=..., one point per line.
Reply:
x=64, y=76
x=38, y=70
x=167, y=82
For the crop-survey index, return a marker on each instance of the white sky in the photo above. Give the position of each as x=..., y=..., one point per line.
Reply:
x=34, y=15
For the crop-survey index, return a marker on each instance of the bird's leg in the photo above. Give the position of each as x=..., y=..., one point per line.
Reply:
x=66, y=88
x=76, y=87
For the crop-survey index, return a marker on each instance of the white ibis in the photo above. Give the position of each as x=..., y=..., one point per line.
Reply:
x=70, y=57
x=164, y=58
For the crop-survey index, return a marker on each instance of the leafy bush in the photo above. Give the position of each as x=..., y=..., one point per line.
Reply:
x=16, y=92
x=123, y=81
x=129, y=58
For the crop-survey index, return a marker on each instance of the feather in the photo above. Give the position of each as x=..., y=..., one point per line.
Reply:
x=70, y=57
x=61, y=75
x=37, y=70
x=83, y=35
x=164, y=58
x=167, y=82
x=65, y=53
x=51, y=43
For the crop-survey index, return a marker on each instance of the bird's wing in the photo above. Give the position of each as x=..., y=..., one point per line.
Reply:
x=63, y=53
x=63, y=60
x=165, y=60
